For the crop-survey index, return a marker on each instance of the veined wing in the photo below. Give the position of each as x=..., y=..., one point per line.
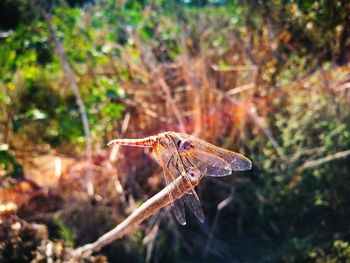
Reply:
x=237, y=161
x=207, y=163
x=177, y=204
x=191, y=199
x=168, y=157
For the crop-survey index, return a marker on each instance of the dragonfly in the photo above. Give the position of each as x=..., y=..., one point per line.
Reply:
x=188, y=157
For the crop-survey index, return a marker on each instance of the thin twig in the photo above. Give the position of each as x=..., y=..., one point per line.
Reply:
x=306, y=151
x=227, y=201
x=343, y=87
x=240, y=89
x=329, y=158
x=256, y=118
x=176, y=111
x=149, y=241
x=234, y=68
x=68, y=71
x=177, y=188
x=114, y=153
x=113, y=157
x=251, y=111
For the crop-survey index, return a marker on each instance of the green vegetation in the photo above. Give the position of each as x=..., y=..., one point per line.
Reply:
x=66, y=234
x=290, y=57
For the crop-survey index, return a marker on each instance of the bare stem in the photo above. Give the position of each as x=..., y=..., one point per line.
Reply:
x=175, y=109
x=256, y=118
x=68, y=72
x=328, y=158
x=177, y=188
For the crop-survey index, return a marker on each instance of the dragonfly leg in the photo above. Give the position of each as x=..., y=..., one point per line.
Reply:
x=176, y=165
x=179, y=157
x=168, y=164
x=189, y=162
x=192, y=173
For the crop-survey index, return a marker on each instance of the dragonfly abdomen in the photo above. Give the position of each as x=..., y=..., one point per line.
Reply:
x=145, y=142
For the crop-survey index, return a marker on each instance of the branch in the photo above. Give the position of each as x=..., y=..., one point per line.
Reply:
x=68, y=72
x=175, y=109
x=251, y=111
x=329, y=158
x=177, y=188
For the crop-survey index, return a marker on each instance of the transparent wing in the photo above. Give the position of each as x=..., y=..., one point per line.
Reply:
x=207, y=163
x=177, y=206
x=237, y=161
x=192, y=201
x=173, y=167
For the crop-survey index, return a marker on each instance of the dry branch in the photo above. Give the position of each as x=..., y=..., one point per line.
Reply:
x=240, y=89
x=236, y=68
x=176, y=111
x=251, y=111
x=68, y=72
x=178, y=188
x=329, y=158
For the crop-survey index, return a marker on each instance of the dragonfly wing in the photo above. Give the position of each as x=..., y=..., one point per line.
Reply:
x=178, y=209
x=237, y=161
x=207, y=163
x=170, y=160
x=192, y=201
x=176, y=205
x=164, y=159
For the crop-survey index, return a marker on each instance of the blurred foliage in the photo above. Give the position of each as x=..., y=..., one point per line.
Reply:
x=307, y=209
x=289, y=214
x=66, y=234
x=24, y=242
x=8, y=163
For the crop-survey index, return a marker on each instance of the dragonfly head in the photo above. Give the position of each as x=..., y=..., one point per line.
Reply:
x=184, y=145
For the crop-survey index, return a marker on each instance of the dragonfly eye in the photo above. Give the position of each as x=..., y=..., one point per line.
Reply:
x=193, y=173
x=184, y=145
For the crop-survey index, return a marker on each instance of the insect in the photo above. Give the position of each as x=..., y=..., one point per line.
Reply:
x=191, y=158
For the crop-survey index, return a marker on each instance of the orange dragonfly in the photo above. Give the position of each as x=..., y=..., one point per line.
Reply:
x=191, y=158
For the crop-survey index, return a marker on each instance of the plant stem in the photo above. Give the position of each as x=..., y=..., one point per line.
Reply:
x=177, y=188
x=68, y=72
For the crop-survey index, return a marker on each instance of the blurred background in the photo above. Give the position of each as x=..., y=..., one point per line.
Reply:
x=268, y=79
